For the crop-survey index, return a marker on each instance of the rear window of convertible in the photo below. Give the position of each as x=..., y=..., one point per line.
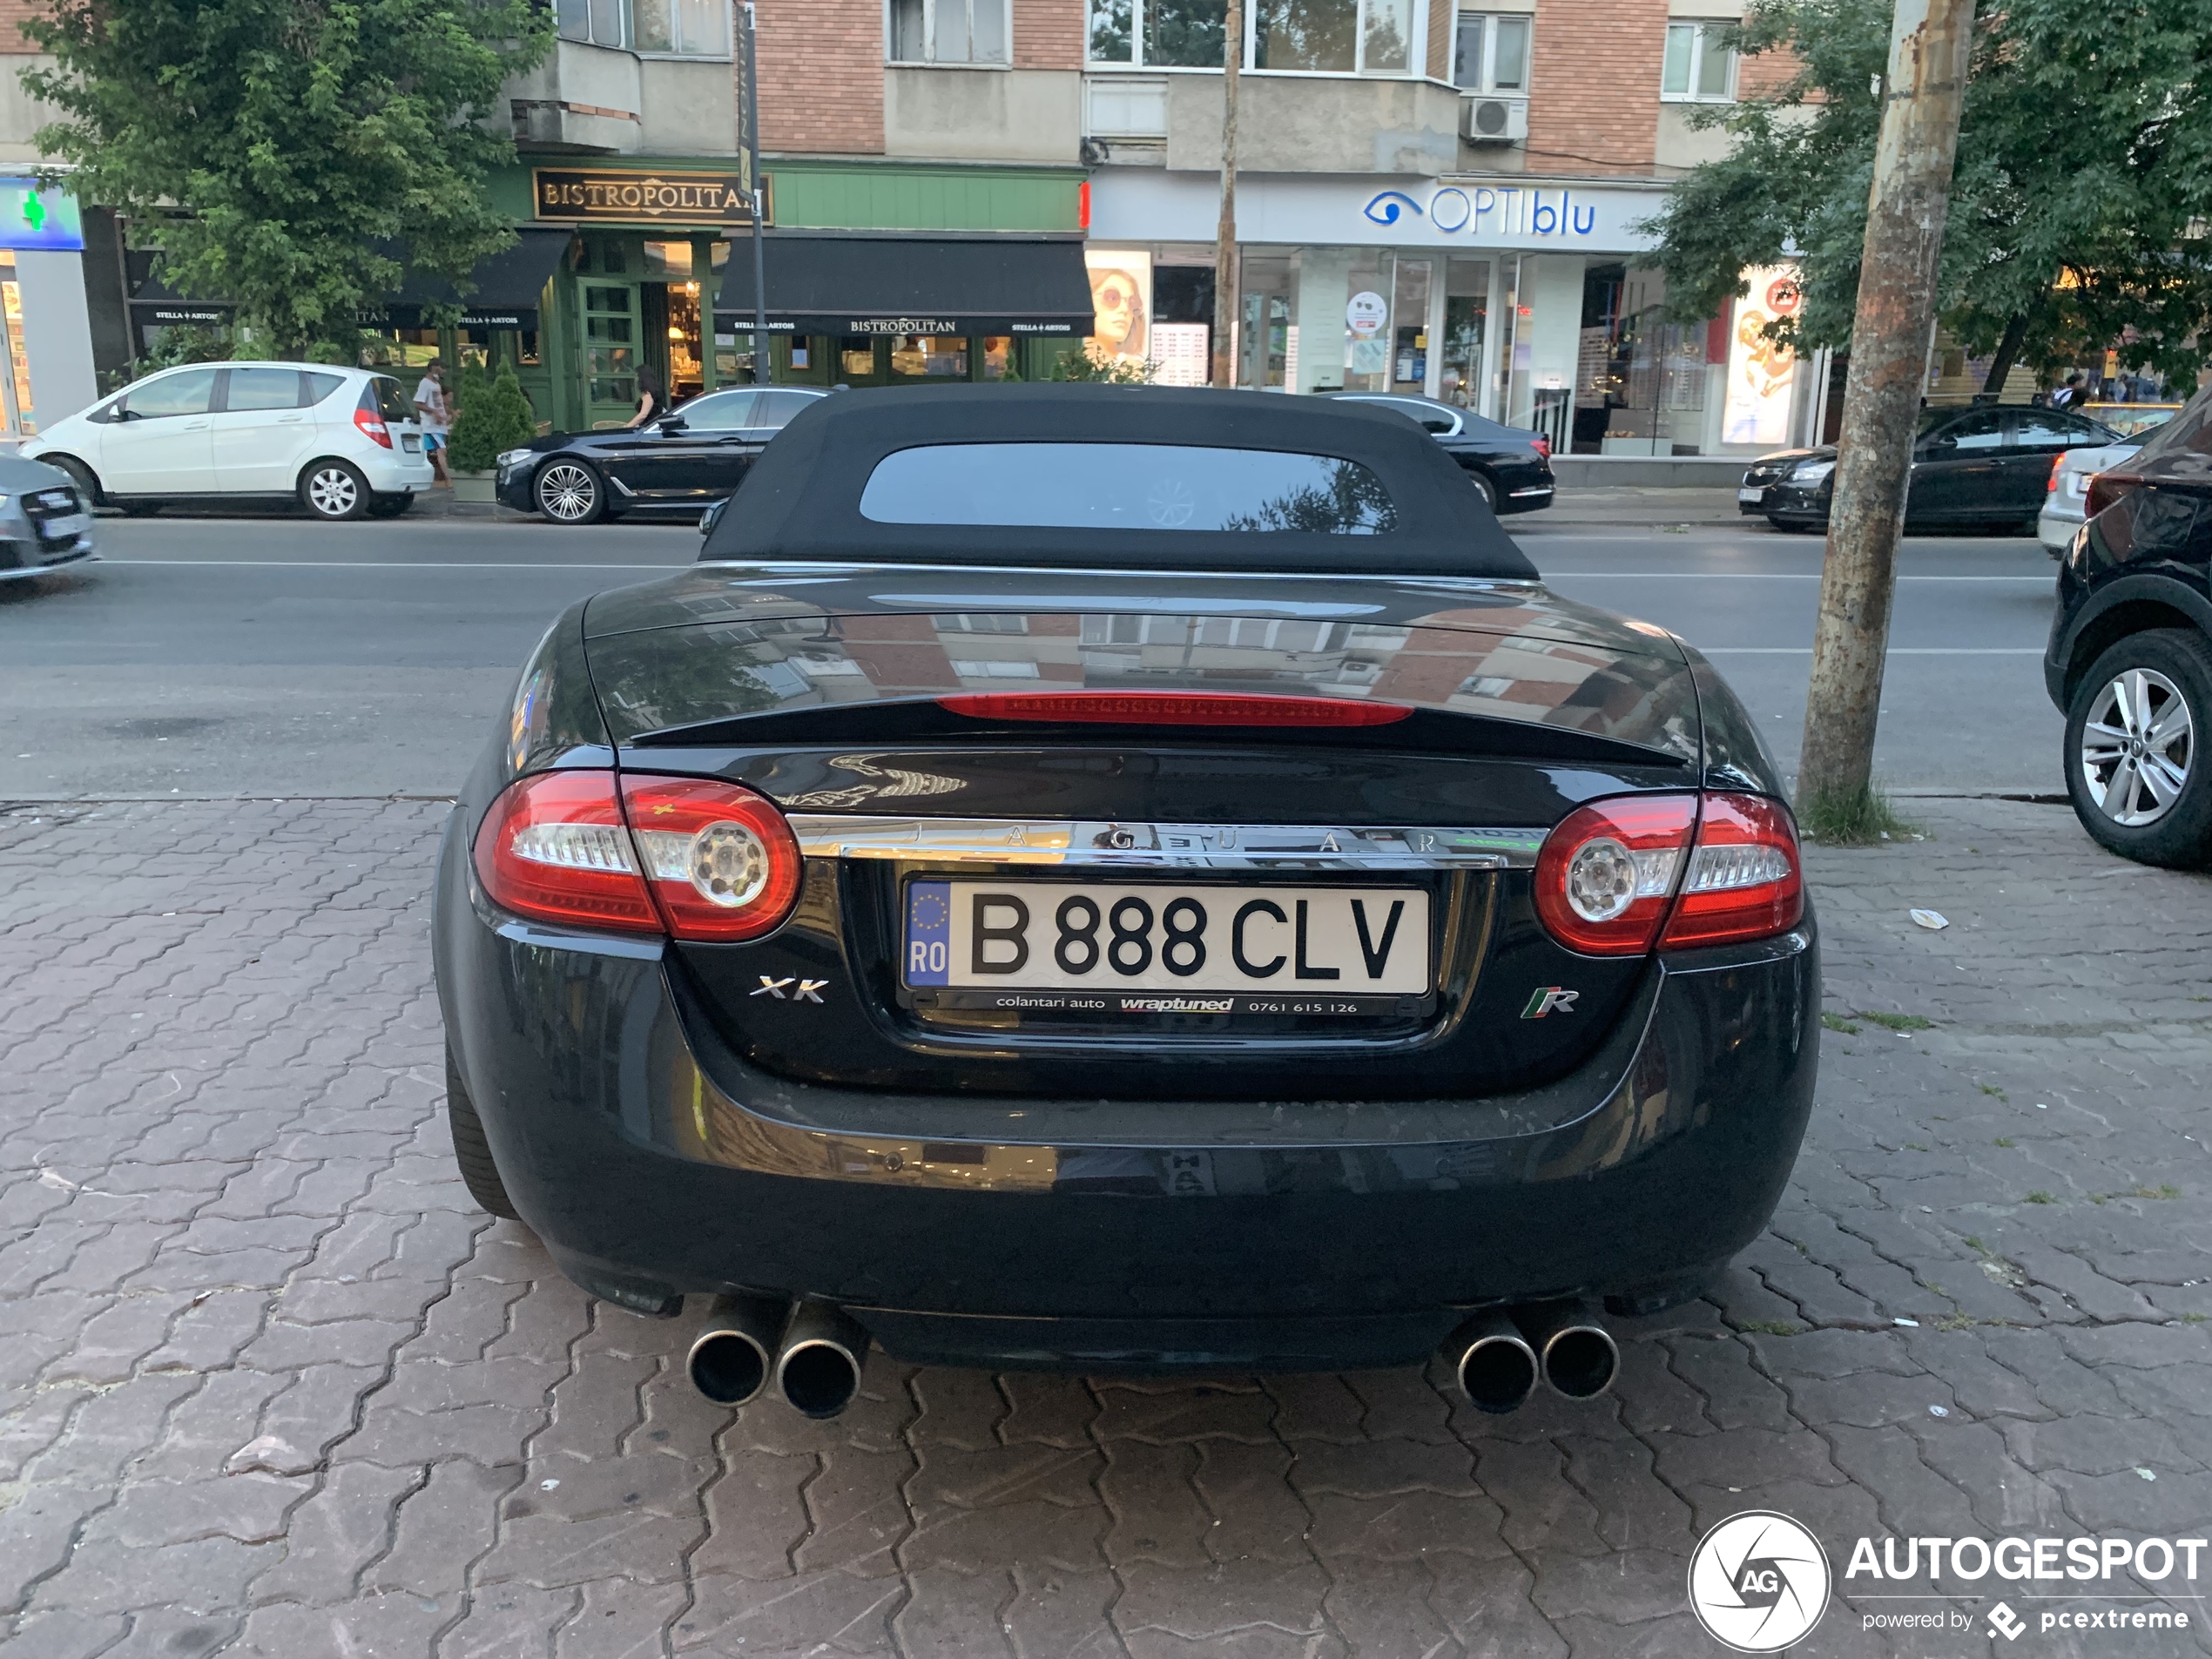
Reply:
x=1127, y=487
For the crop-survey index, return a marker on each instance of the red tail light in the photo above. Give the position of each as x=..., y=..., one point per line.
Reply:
x=1744, y=880
x=1606, y=874
x=723, y=863
x=373, y=428
x=1541, y=446
x=2051, y=484
x=700, y=859
x=2105, y=488
x=1172, y=708
x=1617, y=877
x=553, y=847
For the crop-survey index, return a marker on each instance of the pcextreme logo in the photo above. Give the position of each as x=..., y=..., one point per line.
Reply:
x=1758, y=1582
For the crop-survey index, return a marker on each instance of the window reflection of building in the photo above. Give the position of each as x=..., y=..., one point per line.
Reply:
x=1641, y=379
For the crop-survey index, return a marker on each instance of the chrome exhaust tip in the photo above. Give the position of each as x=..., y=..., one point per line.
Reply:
x=1495, y=1364
x=1579, y=1357
x=818, y=1370
x=731, y=1359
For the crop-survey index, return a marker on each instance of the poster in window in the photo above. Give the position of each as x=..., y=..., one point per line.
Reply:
x=1121, y=303
x=1181, y=353
x=1761, y=374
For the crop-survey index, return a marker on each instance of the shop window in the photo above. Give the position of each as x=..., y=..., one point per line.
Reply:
x=929, y=357
x=1700, y=64
x=998, y=356
x=1467, y=306
x=947, y=31
x=1492, y=54
x=1334, y=36
x=1640, y=380
x=855, y=358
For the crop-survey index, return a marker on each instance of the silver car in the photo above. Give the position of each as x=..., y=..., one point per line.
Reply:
x=2066, y=503
x=44, y=523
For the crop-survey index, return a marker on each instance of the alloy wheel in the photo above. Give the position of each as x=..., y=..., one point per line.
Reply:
x=333, y=493
x=567, y=491
x=2137, y=747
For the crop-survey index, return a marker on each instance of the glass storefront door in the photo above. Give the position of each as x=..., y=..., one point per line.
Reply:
x=612, y=342
x=1409, y=317
x=1467, y=319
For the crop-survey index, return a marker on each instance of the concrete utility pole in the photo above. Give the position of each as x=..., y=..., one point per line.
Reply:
x=1931, y=42
x=759, y=208
x=1224, y=254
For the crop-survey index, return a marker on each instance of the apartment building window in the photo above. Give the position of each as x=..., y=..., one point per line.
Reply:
x=947, y=31
x=1491, y=54
x=1700, y=66
x=654, y=28
x=1311, y=37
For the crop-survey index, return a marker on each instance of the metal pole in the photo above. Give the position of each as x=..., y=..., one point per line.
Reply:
x=1224, y=254
x=752, y=189
x=1931, y=45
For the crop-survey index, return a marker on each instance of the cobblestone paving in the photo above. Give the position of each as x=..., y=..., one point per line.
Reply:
x=269, y=1384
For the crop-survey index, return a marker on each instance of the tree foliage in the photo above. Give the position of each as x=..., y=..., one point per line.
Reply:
x=277, y=150
x=492, y=415
x=2079, y=206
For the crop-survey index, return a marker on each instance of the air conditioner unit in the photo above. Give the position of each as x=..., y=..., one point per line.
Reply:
x=1494, y=120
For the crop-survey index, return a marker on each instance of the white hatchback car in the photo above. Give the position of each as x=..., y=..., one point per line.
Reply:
x=343, y=441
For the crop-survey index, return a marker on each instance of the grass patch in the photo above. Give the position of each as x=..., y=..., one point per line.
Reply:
x=1865, y=820
x=1837, y=1022
x=1975, y=1243
x=1914, y=1146
x=1992, y=1089
x=1955, y=1322
x=2040, y=1196
x=2192, y=1319
x=2161, y=1190
x=1897, y=1022
x=2005, y=1141
x=1773, y=1327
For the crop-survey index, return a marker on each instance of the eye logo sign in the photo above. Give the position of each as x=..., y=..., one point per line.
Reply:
x=1758, y=1582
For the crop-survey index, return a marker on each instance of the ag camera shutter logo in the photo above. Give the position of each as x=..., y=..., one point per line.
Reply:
x=1758, y=1582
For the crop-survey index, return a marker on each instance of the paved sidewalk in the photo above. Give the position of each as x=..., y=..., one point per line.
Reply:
x=270, y=1386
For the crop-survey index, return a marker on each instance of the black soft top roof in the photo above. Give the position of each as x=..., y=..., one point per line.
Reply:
x=802, y=499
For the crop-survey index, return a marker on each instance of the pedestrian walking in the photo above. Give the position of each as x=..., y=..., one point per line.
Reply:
x=652, y=401
x=2068, y=395
x=431, y=410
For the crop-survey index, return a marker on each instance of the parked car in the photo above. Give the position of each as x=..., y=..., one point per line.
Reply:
x=1511, y=465
x=1132, y=881
x=1988, y=465
x=43, y=522
x=697, y=454
x=343, y=442
x=2129, y=662
x=2066, y=498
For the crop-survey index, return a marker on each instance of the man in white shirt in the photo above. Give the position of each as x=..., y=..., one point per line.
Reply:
x=431, y=410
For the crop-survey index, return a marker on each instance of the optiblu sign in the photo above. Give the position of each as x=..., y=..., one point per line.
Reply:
x=1491, y=210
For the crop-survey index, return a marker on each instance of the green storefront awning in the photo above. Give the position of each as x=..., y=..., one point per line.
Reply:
x=863, y=283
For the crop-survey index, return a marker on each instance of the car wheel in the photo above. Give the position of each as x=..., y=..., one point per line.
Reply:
x=1485, y=488
x=389, y=506
x=80, y=476
x=470, y=1151
x=2133, y=766
x=569, y=492
x=334, y=490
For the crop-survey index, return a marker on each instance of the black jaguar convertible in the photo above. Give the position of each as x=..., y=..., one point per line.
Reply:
x=1110, y=880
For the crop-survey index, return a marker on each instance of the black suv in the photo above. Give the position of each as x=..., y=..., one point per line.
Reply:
x=2130, y=658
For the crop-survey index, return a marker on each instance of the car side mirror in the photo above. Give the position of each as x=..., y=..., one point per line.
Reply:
x=674, y=423
x=712, y=516
x=1941, y=443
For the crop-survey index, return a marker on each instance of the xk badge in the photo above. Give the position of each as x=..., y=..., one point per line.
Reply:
x=809, y=989
x=1758, y=1583
x=1550, y=999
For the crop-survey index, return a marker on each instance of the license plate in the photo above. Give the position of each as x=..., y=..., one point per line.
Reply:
x=410, y=442
x=1167, y=948
x=67, y=529
x=1749, y=494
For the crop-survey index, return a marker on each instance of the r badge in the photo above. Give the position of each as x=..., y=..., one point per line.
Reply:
x=1550, y=999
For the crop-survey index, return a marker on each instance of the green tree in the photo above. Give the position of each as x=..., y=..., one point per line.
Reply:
x=490, y=414
x=276, y=151
x=2079, y=204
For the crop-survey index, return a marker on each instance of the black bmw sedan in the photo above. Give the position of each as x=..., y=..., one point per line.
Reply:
x=1115, y=879
x=1988, y=466
x=694, y=456
x=1510, y=466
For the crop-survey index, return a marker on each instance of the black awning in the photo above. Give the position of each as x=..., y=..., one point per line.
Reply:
x=911, y=285
x=507, y=288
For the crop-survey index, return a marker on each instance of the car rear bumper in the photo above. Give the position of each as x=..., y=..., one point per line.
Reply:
x=395, y=473
x=652, y=1159
x=2055, y=531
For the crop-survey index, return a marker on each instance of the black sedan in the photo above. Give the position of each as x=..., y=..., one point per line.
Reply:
x=1989, y=465
x=1122, y=880
x=695, y=455
x=2129, y=662
x=1511, y=466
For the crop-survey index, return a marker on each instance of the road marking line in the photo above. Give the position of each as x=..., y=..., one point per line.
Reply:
x=383, y=565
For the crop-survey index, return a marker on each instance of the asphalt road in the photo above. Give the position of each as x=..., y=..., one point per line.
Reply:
x=271, y=656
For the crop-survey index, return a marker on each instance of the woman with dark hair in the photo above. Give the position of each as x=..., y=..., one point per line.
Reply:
x=652, y=401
